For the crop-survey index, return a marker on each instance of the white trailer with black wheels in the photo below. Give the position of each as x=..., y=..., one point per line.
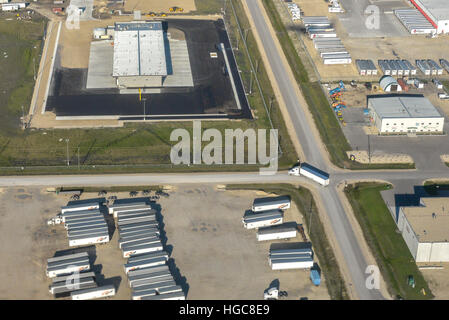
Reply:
x=271, y=203
x=263, y=219
x=276, y=232
x=310, y=172
x=94, y=293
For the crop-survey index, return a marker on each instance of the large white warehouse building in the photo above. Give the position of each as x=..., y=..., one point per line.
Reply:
x=396, y=114
x=425, y=229
x=436, y=11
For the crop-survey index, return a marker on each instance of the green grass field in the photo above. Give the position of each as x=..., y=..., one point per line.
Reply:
x=208, y=6
x=144, y=147
x=321, y=246
x=389, y=248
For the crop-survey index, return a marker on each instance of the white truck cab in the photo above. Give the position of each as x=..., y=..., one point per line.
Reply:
x=294, y=171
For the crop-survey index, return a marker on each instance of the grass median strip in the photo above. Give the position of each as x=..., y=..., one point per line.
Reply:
x=322, y=248
x=392, y=255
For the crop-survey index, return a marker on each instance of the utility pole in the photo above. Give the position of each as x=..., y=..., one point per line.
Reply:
x=78, y=158
x=310, y=221
x=67, y=143
x=257, y=66
x=34, y=68
x=251, y=83
x=144, y=105
x=23, y=118
x=246, y=34
x=271, y=103
x=369, y=150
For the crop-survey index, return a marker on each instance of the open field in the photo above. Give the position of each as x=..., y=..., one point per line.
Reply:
x=389, y=249
x=311, y=217
x=21, y=43
x=215, y=257
x=146, y=145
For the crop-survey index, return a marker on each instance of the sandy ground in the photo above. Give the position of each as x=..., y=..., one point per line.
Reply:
x=159, y=6
x=368, y=48
x=438, y=280
x=215, y=255
x=218, y=257
x=362, y=157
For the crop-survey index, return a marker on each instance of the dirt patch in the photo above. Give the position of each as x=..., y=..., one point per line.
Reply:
x=158, y=6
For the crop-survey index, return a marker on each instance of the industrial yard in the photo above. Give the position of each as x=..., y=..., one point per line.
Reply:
x=201, y=246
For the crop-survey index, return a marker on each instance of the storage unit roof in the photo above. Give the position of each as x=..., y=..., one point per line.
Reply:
x=403, y=107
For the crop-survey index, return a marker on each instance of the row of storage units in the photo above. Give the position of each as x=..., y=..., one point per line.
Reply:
x=414, y=21
x=71, y=276
x=148, y=273
x=291, y=259
x=429, y=67
x=366, y=67
x=397, y=67
x=294, y=10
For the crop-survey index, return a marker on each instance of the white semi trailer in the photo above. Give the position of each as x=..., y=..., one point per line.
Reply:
x=271, y=203
x=263, y=219
x=94, y=293
x=146, y=248
x=92, y=239
x=310, y=172
x=276, y=232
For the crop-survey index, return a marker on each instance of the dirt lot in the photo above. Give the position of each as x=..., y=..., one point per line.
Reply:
x=216, y=257
x=158, y=5
x=438, y=280
x=373, y=48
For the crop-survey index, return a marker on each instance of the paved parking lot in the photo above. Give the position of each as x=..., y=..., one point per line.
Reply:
x=359, y=24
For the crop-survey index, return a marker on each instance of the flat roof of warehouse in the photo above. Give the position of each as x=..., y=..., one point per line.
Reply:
x=438, y=8
x=429, y=220
x=403, y=107
x=139, y=49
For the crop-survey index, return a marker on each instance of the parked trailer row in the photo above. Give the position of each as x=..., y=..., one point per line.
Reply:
x=276, y=232
x=414, y=21
x=72, y=215
x=445, y=64
x=123, y=204
x=66, y=262
x=144, y=264
x=366, y=67
x=135, y=212
x=81, y=205
x=264, y=219
x=84, y=225
x=67, y=257
x=94, y=293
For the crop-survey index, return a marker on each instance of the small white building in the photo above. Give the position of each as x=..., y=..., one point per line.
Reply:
x=425, y=229
x=396, y=114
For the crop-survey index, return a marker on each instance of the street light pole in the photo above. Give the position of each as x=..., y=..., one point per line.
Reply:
x=67, y=143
